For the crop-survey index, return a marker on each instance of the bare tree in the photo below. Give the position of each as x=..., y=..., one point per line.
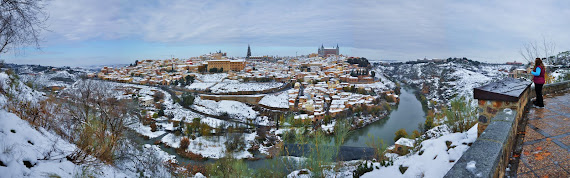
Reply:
x=534, y=49
x=548, y=47
x=21, y=22
x=99, y=119
x=529, y=51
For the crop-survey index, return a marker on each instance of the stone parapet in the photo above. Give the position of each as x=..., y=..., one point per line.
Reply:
x=551, y=88
x=488, y=155
x=494, y=97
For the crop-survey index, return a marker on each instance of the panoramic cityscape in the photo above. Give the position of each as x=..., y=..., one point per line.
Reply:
x=284, y=89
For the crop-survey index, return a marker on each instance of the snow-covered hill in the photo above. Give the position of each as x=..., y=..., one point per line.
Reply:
x=442, y=82
x=27, y=152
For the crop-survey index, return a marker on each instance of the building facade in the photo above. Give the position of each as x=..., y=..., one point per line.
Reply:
x=234, y=65
x=324, y=52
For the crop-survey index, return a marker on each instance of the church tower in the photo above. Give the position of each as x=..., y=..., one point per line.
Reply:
x=248, y=52
x=337, y=51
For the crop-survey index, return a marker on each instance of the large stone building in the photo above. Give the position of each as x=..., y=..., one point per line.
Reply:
x=235, y=65
x=324, y=52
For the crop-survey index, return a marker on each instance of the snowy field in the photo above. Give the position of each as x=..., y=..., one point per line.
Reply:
x=235, y=109
x=235, y=87
x=200, y=85
x=145, y=130
x=211, y=146
x=278, y=100
x=211, y=78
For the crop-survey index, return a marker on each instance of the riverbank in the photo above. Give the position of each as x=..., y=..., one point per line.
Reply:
x=407, y=115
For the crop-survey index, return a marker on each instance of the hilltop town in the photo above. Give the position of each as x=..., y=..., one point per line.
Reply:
x=324, y=84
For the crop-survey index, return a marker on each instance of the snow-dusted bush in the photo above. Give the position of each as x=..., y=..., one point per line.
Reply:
x=184, y=143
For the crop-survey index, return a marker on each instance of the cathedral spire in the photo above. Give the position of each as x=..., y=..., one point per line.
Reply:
x=248, y=51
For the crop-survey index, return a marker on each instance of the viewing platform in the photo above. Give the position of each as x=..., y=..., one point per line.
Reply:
x=546, y=139
x=515, y=138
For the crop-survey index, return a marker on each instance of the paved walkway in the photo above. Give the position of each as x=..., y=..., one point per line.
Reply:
x=546, y=144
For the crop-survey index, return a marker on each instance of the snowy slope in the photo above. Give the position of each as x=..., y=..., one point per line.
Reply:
x=434, y=160
x=45, y=151
x=279, y=100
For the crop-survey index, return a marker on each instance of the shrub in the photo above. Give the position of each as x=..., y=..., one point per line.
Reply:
x=184, y=143
x=187, y=100
x=361, y=169
x=158, y=96
x=379, y=148
x=416, y=134
x=234, y=143
x=387, y=107
x=161, y=111
x=229, y=167
x=461, y=115
x=400, y=133
x=289, y=136
x=153, y=127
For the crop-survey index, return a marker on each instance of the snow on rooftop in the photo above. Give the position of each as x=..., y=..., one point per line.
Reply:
x=507, y=86
x=405, y=142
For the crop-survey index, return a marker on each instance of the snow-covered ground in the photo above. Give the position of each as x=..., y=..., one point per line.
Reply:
x=236, y=109
x=58, y=78
x=434, y=160
x=200, y=85
x=18, y=90
x=466, y=80
x=211, y=146
x=226, y=87
x=45, y=152
x=559, y=74
x=145, y=130
x=378, y=86
x=211, y=78
x=277, y=100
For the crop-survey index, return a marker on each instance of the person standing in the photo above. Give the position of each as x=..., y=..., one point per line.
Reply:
x=538, y=80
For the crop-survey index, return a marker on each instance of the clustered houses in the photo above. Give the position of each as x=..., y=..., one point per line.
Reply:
x=314, y=98
x=166, y=71
x=319, y=83
x=152, y=71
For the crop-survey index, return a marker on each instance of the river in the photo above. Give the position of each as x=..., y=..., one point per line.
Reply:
x=407, y=115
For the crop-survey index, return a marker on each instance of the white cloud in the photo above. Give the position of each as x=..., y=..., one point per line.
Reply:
x=401, y=30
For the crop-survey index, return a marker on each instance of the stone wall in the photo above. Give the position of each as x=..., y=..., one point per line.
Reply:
x=487, y=109
x=488, y=156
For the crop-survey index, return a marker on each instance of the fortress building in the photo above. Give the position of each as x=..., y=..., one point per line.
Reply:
x=323, y=52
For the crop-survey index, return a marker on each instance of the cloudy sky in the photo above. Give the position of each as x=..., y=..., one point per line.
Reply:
x=97, y=32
